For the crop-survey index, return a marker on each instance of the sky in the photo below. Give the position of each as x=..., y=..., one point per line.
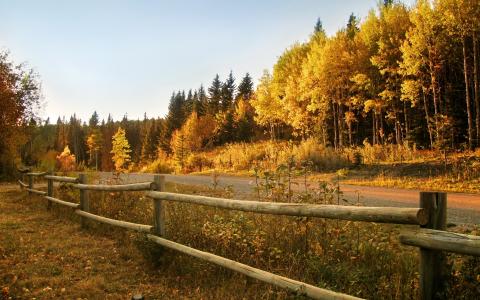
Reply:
x=127, y=57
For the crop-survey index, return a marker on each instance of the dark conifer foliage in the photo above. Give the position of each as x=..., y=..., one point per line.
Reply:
x=228, y=92
x=245, y=88
x=214, y=96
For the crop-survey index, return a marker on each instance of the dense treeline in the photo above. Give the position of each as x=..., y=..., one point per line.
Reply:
x=402, y=75
x=196, y=119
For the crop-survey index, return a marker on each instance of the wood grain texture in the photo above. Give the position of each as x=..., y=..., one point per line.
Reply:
x=113, y=222
x=65, y=203
x=33, y=191
x=144, y=186
x=62, y=178
x=394, y=215
x=280, y=281
x=433, y=266
x=158, y=207
x=442, y=240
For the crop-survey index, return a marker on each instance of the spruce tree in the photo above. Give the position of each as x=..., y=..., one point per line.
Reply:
x=214, y=96
x=228, y=91
x=203, y=101
x=93, y=122
x=318, y=26
x=245, y=88
x=176, y=113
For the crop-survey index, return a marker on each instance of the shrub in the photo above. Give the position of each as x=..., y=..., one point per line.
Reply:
x=158, y=166
x=66, y=160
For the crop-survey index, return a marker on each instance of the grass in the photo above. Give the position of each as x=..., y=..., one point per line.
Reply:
x=372, y=165
x=45, y=254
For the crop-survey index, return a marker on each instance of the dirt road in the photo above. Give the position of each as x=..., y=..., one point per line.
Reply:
x=462, y=208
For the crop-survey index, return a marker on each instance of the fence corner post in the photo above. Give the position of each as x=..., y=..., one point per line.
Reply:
x=433, y=262
x=30, y=183
x=84, y=205
x=49, y=189
x=159, y=212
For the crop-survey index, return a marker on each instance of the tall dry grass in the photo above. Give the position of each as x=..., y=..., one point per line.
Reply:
x=357, y=258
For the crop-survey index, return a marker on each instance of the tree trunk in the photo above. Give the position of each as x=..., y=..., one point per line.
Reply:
x=349, y=133
x=335, y=136
x=405, y=115
x=467, y=93
x=374, y=128
x=427, y=118
x=433, y=79
x=340, y=126
x=476, y=83
x=382, y=130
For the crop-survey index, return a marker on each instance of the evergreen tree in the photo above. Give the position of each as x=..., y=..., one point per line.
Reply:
x=352, y=26
x=245, y=88
x=203, y=101
x=318, y=26
x=214, y=96
x=150, y=143
x=228, y=91
x=176, y=113
x=93, y=122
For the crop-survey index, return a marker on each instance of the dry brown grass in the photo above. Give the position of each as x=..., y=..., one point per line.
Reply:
x=45, y=254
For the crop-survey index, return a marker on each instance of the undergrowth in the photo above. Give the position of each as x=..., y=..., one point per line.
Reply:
x=357, y=258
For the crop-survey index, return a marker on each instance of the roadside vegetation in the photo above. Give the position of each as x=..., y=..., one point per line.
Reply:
x=60, y=259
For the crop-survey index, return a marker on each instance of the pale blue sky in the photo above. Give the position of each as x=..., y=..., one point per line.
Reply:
x=128, y=56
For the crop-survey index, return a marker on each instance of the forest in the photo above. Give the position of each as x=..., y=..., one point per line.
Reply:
x=405, y=76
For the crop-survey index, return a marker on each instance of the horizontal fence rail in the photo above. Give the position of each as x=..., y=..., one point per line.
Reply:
x=24, y=185
x=62, y=178
x=37, y=174
x=443, y=241
x=65, y=203
x=283, y=282
x=124, y=224
x=143, y=186
x=353, y=213
x=41, y=193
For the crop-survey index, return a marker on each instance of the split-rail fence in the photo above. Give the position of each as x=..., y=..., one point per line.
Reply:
x=430, y=237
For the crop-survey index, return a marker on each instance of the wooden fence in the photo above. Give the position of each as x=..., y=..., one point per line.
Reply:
x=430, y=237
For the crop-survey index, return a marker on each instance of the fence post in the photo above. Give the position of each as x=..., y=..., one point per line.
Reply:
x=49, y=190
x=30, y=183
x=159, y=212
x=433, y=262
x=82, y=178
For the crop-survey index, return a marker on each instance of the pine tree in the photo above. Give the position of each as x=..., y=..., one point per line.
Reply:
x=176, y=113
x=93, y=122
x=202, y=101
x=318, y=26
x=120, y=150
x=228, y=91
x=150, y=143
x=214, y=96
x=245, y=88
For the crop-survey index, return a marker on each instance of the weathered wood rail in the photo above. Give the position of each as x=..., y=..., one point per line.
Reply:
x=431, y=237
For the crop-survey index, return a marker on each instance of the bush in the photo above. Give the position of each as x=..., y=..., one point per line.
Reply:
x=158, y=166
x=197, y=162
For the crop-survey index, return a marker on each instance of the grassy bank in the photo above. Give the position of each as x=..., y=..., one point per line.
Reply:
x=401, y=166
x=46, y=254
